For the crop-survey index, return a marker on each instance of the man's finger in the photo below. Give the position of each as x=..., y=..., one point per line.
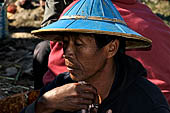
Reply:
x=86, y=88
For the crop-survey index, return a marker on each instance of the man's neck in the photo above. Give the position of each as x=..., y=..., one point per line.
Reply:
x=104, y=79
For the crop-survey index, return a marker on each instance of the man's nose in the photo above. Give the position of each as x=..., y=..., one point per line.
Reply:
x=68, y=50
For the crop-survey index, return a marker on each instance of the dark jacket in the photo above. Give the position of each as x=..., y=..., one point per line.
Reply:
x=131, y=92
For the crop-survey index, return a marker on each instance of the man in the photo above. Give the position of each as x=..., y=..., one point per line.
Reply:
x=139, y=18
x=101, y=77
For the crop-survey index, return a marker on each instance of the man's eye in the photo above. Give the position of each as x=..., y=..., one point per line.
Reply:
x=78, y=44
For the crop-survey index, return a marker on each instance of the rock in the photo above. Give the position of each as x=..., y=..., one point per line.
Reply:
x=11, y=71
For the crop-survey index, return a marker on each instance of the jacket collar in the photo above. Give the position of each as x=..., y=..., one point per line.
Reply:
x=128, y=70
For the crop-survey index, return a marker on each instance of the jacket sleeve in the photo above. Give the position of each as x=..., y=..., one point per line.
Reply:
x=53, y=10
x=29, y=109
x=60, y=80
x=161, y=109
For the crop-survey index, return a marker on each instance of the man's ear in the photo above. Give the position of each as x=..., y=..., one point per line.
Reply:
x=112, y=48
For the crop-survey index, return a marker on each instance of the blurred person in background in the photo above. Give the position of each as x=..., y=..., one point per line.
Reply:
x=53, y=10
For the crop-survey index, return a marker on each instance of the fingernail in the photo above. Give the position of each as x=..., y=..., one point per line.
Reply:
x=109, y=111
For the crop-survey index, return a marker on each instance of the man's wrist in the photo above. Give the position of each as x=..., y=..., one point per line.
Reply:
x=42, y=106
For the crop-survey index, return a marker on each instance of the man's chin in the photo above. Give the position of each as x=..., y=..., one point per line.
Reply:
x=75, y=78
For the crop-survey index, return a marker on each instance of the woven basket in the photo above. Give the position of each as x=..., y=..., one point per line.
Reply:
x=15, y=103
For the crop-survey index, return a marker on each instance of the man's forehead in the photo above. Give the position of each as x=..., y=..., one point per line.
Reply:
x=80, y=36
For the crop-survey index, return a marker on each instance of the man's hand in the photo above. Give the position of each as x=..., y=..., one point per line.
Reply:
x=69, y=97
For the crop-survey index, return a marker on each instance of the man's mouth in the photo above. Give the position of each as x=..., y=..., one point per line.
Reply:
x=70, y=65
x=70, y=68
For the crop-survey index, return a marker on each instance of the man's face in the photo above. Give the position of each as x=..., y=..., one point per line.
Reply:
x=82, y=57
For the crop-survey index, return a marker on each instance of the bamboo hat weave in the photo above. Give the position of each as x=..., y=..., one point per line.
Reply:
x=96, y=17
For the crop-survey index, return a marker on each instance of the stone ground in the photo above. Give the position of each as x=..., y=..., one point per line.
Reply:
x=17, y=49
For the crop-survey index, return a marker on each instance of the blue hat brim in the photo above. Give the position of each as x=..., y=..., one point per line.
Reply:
x=133, y=39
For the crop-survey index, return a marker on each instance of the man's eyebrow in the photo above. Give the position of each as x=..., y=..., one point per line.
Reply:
x=81, y=39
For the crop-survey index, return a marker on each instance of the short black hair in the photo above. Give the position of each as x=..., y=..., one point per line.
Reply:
x=103, y=40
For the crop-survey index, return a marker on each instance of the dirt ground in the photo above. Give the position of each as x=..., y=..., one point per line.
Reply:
x=16, y=50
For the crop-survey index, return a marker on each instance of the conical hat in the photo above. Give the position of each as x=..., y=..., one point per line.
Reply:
x=96, y=17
